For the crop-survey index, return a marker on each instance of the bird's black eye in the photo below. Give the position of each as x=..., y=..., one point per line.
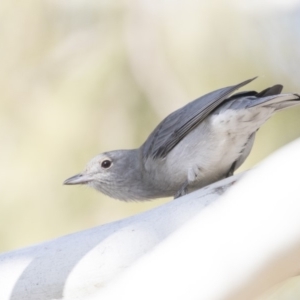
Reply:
x=106, y=164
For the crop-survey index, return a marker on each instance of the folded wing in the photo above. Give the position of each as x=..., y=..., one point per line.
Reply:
x=182, y=121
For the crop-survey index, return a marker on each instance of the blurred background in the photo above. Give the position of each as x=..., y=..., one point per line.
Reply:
x=79, y=77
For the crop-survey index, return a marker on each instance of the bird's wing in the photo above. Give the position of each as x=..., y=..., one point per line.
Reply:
x=182, y=121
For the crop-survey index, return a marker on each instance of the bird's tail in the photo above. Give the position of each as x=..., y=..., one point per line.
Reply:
x=283, y=101
x=288, y=100
x=271, y=97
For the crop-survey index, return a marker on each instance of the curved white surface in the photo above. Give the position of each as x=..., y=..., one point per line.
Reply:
x=234, y=249
x=79, y=264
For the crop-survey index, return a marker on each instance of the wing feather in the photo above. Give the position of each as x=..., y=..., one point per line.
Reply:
x=181, y=122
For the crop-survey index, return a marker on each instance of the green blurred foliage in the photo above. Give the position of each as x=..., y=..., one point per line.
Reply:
x=81, y=77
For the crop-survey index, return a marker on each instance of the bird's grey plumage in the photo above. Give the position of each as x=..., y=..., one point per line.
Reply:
x=182, y=121
x=198, y=144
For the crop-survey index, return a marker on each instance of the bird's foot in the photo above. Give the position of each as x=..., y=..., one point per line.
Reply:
x=231, y=170
x=182, y=191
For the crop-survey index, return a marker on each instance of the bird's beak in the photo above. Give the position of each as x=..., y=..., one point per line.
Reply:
x=78, y=179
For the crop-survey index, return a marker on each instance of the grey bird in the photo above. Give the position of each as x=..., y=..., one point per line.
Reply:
x=198, y=144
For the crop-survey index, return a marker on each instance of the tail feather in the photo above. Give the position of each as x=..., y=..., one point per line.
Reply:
x=271, y=91
x=278, y=102
x=288, y=103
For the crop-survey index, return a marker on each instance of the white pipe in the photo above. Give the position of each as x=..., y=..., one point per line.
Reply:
x=79, y=264
x=236, y=248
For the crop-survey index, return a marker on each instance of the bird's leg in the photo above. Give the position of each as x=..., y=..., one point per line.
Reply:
x=192, y=176
x=183, y=190
x=231, y=170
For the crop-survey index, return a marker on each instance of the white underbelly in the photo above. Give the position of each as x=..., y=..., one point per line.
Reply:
x=212, y=147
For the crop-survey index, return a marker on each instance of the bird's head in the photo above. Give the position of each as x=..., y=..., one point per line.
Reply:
x=111, y=173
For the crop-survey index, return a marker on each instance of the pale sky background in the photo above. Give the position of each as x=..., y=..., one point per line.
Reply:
x=81, y=77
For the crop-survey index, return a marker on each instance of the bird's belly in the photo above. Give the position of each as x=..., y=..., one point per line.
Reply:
x=208, y=152
x=208, y=160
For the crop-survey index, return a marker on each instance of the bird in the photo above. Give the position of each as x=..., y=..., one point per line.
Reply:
x=196, y=145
